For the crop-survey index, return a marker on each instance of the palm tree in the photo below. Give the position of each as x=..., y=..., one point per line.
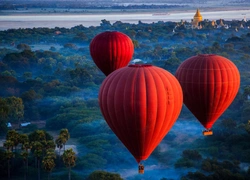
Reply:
x=63, y=140
x=23, y=138
x=38, y=135
x=51, y=153
x=8, y=154
x=69, y=159
x=38, y=152
x=64, y=135
x=8, y=144
x=49, y=161
x=13, y=136
x=48, y=165
x=25, y=155
x=27, y=146
x=50, y=144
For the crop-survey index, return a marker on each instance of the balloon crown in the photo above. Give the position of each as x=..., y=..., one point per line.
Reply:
x=206, y=55
x=139, y=65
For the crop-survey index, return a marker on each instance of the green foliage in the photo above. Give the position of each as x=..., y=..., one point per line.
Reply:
x=40, y=135
x=80, y=76
x=222, y=174
x=247, y=127
x=48, y=164
x=52, y=48
x=192, y=155
x=4, y=113
x=195, y=176
x=183, y=163
x=13, y=136
x=76, y=112
x=16, y=109
x=61, y=121
x=22, y=61
x=48, y=161
x=70, y=46
x=91, y=161
x=190, y=158
x=69, y=158
x=23, y=46
x=103, y=175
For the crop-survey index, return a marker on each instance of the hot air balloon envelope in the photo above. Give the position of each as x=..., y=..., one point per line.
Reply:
x=140, y=103
x=111, y=50
x=210, y=84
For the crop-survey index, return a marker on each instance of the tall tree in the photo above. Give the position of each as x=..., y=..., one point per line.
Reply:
x=16, y=108
x=37, y=136
x=50, y=144
x=24, y=155
x=8, y=144
x=9, y=154
x=48, y=165
x=49, y=161
x=23, y=138
x=64, y=136
x=4, y=112
x=13, y=136
x=69, y=159
x=26, y=146
x=38, y=152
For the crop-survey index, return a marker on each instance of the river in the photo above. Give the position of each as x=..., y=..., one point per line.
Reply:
x=30, y=20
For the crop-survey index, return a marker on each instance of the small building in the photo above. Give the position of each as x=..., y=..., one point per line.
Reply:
x=24, y=124
x=9, y=126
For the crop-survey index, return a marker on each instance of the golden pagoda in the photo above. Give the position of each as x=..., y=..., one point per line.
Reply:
x=197, y=17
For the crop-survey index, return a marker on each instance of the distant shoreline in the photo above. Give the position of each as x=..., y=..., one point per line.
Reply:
x=34, y=19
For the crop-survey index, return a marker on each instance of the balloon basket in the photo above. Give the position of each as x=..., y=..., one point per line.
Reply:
x=141, y=169
x=207, y=132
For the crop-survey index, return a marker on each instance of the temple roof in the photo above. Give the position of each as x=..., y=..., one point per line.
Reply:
x=197, y=17
x=198, y=14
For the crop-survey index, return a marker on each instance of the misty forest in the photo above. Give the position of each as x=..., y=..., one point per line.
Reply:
x=52, y=127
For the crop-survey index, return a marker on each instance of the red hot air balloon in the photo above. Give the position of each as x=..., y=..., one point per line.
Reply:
x=140, y=103
x=111, y=50
x=210, y=84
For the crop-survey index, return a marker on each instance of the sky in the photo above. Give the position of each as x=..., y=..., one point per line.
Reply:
x=202, y=2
